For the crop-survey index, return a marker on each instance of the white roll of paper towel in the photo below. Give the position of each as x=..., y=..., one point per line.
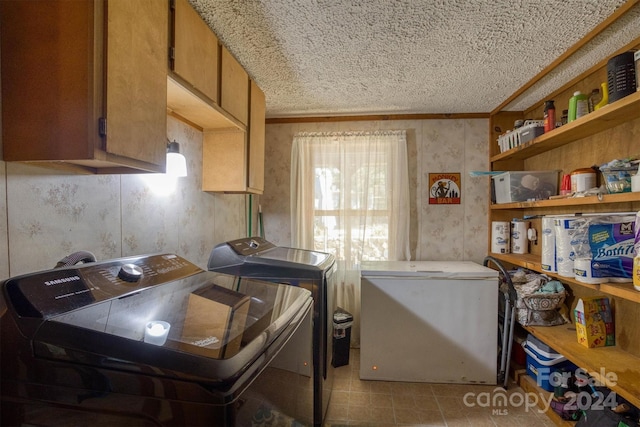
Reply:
x=500, y=236
x=584, y=272
x=519, y=241
x=565, y=229
x=548, y=259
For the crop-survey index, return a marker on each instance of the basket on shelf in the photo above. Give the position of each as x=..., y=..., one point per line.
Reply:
x=536, y=308
x=516, y=137
x=544, y=302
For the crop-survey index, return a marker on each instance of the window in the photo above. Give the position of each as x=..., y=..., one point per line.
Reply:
x=350, y=198
x=346, y=194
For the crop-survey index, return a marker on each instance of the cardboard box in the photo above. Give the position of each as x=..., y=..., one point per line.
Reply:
x=215, y=322
x=594, y=322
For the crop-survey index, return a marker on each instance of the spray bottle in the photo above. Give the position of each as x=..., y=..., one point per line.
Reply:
x=549, y=116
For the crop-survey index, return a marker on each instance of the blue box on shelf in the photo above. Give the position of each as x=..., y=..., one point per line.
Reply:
x=543, y=362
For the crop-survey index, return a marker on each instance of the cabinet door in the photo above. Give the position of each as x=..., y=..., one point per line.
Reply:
x=54, y=80
x=195, y=50
x=234, y=87
x=136, y=80
x=224, y=161
x=256, y=139
x=47, y=80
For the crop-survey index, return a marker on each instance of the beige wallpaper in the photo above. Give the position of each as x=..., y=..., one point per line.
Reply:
x=48, y=214
x=438, y=232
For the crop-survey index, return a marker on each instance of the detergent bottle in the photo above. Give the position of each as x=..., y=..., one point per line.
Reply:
x=578, y=106
x=605, y=96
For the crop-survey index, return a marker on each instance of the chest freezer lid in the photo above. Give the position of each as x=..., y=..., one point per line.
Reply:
x=427, y=269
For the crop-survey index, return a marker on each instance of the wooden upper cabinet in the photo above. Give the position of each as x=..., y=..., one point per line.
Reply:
x=257, y=110
x=224, y=161
x=137, y=80
x=232, y=159
x=195, y=53
x=84, y=84
x=234, y=87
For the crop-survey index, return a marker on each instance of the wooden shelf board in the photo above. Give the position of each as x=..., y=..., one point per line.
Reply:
x=529, y=261
x=529, y=385
x=609, y=116
x=573, y=281
x=532, y=262
x=621, y=290
x=601, y=362
x=571, y=201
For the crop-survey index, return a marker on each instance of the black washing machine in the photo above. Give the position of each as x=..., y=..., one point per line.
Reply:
x=151, y=341
x=257, y=258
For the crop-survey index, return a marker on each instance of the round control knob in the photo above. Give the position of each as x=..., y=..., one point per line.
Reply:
x=130, y=273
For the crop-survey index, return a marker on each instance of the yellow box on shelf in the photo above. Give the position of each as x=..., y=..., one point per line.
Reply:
x=594, y=322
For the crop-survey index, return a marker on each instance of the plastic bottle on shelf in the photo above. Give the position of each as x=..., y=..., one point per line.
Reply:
x=636, y=253
x=594, y=99
x=565, y=117
x=635, y=187
x=636, y=272
x=549, y=116
x=578, y=106
x=605, y=96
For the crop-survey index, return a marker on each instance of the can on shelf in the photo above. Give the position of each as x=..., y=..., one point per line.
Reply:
x=582, y=180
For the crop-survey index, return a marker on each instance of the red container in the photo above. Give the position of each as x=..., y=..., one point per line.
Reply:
x=518, y=355
x=549, y=116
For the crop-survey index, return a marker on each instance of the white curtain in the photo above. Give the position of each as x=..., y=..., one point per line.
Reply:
x=350, y=198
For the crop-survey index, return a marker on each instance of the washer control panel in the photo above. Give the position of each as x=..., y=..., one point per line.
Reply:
x=58, y=291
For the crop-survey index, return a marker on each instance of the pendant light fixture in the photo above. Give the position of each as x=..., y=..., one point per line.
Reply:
x=176, y=163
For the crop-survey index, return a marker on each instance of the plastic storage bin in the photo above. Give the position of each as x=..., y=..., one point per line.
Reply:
x=342, y=322
x=514, y=138
x=618, y=180
x=543, y=361
x=520, y=186
x=531, y=130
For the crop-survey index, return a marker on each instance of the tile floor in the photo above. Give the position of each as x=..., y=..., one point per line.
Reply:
x=382, y=404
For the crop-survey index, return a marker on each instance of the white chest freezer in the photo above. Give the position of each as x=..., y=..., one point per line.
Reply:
x=429, y=321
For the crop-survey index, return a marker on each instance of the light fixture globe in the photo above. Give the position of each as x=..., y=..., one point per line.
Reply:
x=176, y=162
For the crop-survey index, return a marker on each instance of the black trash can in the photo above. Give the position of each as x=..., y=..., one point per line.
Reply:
x=342, y=322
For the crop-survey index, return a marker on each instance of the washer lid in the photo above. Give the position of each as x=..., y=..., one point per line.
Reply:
x=258, y=258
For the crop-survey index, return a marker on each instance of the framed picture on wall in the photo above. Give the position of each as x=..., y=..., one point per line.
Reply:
x=444, y=188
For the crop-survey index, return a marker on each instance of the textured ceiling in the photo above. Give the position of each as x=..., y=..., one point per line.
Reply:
x=339, y=57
